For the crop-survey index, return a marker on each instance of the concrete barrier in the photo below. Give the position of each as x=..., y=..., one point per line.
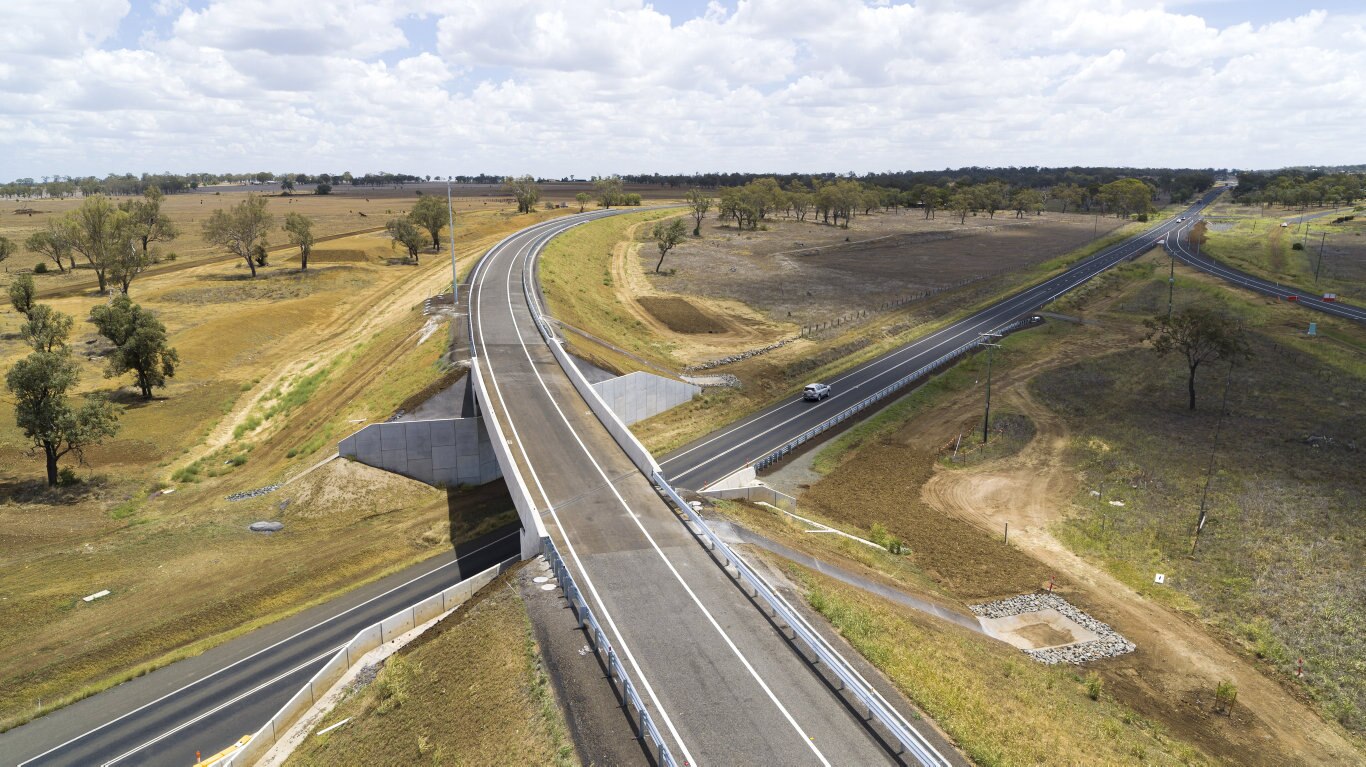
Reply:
x=755, y=494
x=364, y=641
x=533, y=529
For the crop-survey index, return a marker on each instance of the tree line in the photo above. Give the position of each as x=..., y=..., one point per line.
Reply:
x=1176, y=183
x=839, y=201
x=128, y=184
x=1299, y=189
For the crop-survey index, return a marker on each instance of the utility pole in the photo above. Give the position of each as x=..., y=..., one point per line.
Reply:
x=455, y=276
x=1171, y=281
x=1319, y=265
x=986, y=417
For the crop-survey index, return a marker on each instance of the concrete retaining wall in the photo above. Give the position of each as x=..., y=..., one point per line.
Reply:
x=623, y=436
x=445, y=452
x=637, y=396
x=755, y=494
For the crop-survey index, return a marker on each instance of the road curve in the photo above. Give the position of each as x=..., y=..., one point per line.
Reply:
x=723, y=684
x=1180, y=247
x=207, y=702
x=716, y=455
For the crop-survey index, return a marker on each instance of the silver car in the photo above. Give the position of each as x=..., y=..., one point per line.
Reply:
x=816, y=392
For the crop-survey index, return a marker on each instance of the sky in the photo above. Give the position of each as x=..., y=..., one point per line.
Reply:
x=592, y=87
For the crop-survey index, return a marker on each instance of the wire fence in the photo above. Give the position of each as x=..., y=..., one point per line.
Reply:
x=809, y=331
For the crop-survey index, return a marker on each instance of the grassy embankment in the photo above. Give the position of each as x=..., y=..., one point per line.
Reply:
x=273, y=372
x=471, y=690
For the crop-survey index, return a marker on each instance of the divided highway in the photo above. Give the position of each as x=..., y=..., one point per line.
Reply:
x=207, y=702
x=721, y=453
x=720, y=680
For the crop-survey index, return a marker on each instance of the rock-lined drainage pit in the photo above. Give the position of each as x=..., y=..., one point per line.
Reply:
x=1050, y=630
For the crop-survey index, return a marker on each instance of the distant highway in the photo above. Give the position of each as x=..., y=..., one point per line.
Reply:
x=713, y=457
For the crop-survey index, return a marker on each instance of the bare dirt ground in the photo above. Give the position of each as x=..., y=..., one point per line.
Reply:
x=954, y=519
x=806, y=272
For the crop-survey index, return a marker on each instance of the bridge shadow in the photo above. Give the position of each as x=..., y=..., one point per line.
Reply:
x=479, y=517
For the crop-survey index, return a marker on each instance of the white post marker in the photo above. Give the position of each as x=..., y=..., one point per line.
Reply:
x=96, y=595
x=1160, y=578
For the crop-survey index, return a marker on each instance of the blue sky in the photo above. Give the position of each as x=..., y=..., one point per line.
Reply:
x=554, y=87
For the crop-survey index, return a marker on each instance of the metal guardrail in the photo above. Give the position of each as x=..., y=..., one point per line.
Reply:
x=778, y=453
x=603, y=647
x=878, y=708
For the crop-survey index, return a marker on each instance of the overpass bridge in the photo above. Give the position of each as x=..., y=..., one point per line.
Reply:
x=718, y=679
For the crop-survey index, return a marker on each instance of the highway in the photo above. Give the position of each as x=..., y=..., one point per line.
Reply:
x=715, y=456
x=718, y=678
x=1184, y=252
x=207, y=702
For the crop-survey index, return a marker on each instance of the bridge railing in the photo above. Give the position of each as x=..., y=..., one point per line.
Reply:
x=778, y=453
x=878, y=708
x=603, y=647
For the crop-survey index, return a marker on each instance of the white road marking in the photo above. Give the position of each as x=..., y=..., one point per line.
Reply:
x=289, y=638
x=663, y=557
x=221, y=706
x=606, y=616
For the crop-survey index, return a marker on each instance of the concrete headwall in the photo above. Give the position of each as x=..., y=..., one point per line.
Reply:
x=444, y=452
x=637, y=396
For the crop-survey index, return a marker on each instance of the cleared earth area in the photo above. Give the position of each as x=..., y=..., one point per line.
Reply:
x=807, y=272
x=1103, y=492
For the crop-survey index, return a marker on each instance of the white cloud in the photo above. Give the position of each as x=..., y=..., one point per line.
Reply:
x=596, y=86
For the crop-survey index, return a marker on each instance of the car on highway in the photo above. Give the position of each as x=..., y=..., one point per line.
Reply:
x=815, y=392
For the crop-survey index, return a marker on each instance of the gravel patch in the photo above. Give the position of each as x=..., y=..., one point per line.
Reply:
x=260, y=491
x=1110, y=643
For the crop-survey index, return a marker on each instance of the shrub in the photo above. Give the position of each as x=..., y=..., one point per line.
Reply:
x=1297, y=246
x=1094, y=685
x=66, y=476
x=1143, y=217
x=1225, y=695
x=40, y=268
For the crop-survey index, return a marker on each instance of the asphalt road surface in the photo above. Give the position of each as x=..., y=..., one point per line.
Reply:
x=721, y=682
x=715, y=456
x=1310, y=298
x=207, y=702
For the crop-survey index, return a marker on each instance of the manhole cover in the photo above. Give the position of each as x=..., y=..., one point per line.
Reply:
x=548, y=587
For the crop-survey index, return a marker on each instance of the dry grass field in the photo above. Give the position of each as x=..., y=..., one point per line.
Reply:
x=1279, y=568
x=274, y=371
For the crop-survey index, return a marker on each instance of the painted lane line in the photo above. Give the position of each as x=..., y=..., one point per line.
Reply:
x=806, y=739
x=222, y=706
x=621, y=644
x=962, y=330
x=287, y=639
